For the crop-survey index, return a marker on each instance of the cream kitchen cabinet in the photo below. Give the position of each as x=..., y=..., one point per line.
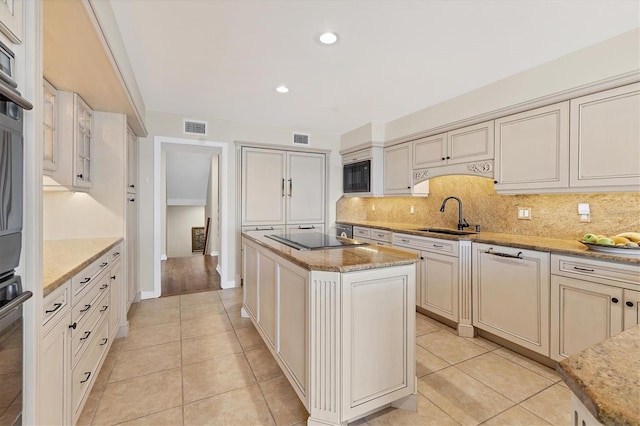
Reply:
x=398, y=173
x=50, y=145
x=510, y=288
x=73, y=144
x=76, y=337
x=132, y=161
x=589, y=302
x=282, y=187
x=604, y=135
x=532, y=150
x=438, y=273
x=379, y=237
x=471, y=143
x=116, y=286
x=132, y=288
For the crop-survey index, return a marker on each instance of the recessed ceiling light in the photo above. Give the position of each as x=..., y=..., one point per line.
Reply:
x=282, y=89
x=328, y=38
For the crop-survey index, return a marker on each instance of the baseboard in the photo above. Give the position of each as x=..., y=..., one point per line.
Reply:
x=213, y=253
x=148, y=295
x=123, y=331
x=163, y=257
x=228, y=284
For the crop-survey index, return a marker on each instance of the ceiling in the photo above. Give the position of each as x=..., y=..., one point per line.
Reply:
x=223, y=59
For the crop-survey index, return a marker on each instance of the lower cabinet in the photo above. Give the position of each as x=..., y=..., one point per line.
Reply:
x=510, y=288
x=80, y=319
x=591, y=300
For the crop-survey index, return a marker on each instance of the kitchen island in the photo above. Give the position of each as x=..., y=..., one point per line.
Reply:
x=340, y=322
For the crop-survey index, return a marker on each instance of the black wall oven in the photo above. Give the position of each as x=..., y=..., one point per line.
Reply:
x=356, y=177
x=11, y=194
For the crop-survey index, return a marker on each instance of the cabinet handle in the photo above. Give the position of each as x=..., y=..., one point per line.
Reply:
x=102, y=265
x=132, y=186
x=437, y=246
x=511, y=256
x=495, y=181
x=132, y=200
x=405, y=240
x=408, y=187
x=306, y=227
x=86, y=335
x=290, y=187
x=116, y=254
x=56, y=306
x=113, y=277
x=629, y=303
x=86, y=280
x=577, y=268
x=448, y=158
x=80, y=176
x=86, y=308
x=104, y=286
x=421, y=258
x=74, y=325
x=614, y=299
x=104, y=341
x=443, y=158
x=88, y=373
x=104, y=308
x=283, y=187
x=265, y=229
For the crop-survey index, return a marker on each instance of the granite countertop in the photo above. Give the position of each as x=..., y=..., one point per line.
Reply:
x=62, y=259
x=606, y=378
x=552, y=245
x=348, y=259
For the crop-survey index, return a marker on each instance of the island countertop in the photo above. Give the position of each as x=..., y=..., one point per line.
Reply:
x=62, y=259
x=606, y=378
x=348, y=259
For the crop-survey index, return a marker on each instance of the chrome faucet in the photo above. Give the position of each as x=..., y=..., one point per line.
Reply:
x=462, y=223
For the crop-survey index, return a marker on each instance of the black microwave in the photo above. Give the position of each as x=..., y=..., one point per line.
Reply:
x=356, y=177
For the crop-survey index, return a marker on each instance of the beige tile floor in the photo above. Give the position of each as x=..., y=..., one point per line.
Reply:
x=193, y=360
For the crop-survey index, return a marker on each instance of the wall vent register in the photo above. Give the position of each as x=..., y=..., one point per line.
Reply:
x=193, y=127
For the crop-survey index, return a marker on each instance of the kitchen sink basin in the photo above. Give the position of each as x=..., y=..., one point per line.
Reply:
x=447, y=231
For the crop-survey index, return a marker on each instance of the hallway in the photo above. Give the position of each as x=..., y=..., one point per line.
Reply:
x=192, y=274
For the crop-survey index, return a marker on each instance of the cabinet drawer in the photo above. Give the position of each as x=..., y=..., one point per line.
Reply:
x=611, y=273
x=379, y=235
x=85, y=330
x=55, y=305
x=380, y=243
x=88, y=275
x=86, y=371
x=434, y=245
x=89, y=301
x=115, y=254
x=359, y=231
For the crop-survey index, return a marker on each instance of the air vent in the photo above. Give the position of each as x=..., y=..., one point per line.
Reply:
x=300, y=139
x=193, y=127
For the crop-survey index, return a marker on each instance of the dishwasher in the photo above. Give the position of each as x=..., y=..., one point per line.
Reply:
x=345, y=231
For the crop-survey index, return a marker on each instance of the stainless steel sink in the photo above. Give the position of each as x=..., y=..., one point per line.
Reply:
x=447, y=231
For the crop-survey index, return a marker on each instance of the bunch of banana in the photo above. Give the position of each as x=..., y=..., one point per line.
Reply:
x=625, y=239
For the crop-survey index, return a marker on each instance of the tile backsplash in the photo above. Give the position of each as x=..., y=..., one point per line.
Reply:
x=552, y=215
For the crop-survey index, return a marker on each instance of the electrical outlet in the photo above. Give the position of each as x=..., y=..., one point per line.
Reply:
x=412, y=210
x=524, y=213
x=373, y=207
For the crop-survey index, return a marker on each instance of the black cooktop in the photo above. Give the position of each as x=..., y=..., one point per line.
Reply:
x=313, y=241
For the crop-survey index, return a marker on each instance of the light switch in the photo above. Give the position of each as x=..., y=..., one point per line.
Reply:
x=585, y=212
x=524, y=213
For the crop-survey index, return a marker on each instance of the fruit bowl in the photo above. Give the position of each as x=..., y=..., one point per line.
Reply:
x=627, y=251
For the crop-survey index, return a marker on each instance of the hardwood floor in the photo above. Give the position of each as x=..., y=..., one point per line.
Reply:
x=182, y=275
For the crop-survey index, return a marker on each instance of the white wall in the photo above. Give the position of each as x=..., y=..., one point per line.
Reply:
x=180, y=220
x=211, y=209
x=616, y=56
x=222, y=131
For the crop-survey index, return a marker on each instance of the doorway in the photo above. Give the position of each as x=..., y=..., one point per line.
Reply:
x=209, y=148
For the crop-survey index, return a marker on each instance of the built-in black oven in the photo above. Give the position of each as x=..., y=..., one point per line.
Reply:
x=356, y=177
x=11, y=195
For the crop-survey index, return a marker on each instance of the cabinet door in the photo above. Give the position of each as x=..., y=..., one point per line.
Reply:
x=511, y=294
x=470, y=143
x=53, y=372
x=267, y=280
x=631, y=308
x=50, y=148
x=250, y=279
x=430, y=151
x=263, y=187
x=397, y=169
x=82, y=161
x=419, y=273
x=440, y=285
x=532, y=149
x=305, y=188
x=115, y=276
x=583, y=314
x=292, y=319
x=132, y=161
x=604, y=135
x=132, y=285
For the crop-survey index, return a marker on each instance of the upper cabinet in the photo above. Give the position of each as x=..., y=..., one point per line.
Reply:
x=398, y=173
x=605, y=140
x=71, y=143
x=49, y=150
x=472, y=143
x=532, y=149
x=11, y=19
